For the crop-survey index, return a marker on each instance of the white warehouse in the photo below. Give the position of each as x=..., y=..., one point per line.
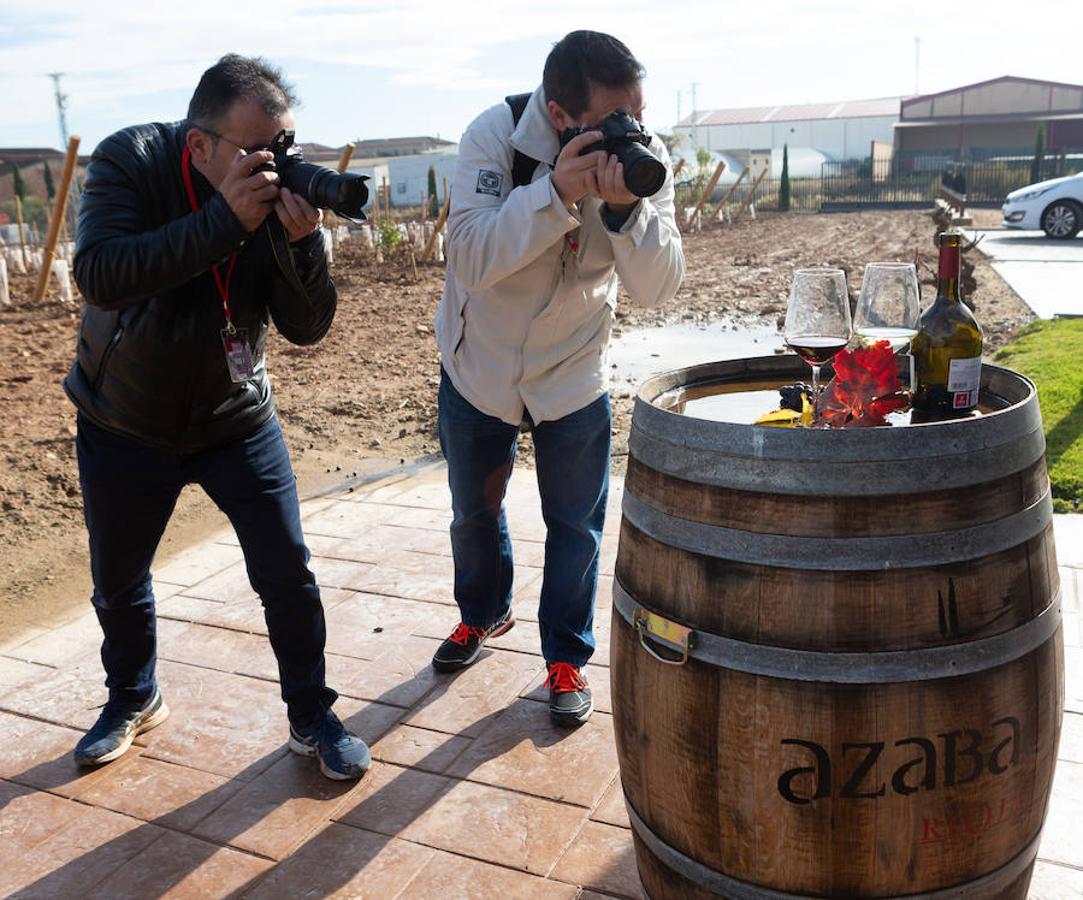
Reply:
x=839, y=131
x=408, y=176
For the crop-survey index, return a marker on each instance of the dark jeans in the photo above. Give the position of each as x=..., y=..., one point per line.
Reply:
x=572, y=458
x=129, y=491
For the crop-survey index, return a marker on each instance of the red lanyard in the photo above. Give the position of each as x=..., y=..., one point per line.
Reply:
x=223, y=287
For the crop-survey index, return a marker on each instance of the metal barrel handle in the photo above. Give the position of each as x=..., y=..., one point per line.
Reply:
x=666, y=632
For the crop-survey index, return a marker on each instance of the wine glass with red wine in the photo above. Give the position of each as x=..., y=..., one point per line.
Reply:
x=818, y=318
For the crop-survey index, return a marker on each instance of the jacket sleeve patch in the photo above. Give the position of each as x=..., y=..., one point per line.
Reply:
x=490, y=182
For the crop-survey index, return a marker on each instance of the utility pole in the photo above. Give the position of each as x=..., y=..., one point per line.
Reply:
x=695, y=137
x=679, y=92
x=61, y=107
x=61, y=111
x=917, y=62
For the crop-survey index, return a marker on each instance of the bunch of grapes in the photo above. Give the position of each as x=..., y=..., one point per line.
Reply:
x=791, y=395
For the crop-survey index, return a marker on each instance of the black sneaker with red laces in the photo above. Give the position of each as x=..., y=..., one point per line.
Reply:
x=570, y=702
x=464, y=645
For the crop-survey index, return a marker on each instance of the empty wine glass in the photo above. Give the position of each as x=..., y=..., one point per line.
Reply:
x=818, y=318
x=889, y=306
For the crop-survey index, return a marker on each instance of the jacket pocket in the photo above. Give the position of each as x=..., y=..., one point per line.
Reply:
x=106, y=353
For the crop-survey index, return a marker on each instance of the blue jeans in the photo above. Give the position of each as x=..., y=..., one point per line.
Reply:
x=129, y=491
x=572, y=458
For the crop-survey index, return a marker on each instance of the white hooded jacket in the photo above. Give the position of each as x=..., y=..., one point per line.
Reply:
x=531, y=286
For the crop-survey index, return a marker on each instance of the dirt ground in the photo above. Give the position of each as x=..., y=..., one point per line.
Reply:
x=363, y=401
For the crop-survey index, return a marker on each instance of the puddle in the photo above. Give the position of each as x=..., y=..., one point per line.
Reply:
x=642, y=352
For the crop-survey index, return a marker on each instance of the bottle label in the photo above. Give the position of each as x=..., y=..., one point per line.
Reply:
x=964, y=382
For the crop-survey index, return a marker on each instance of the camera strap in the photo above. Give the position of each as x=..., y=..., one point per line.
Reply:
x=223, y=287
x=522, y=166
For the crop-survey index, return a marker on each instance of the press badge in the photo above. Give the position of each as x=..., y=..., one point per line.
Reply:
x=238, y=355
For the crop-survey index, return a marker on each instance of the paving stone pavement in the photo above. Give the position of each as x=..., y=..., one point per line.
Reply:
x=472, y=793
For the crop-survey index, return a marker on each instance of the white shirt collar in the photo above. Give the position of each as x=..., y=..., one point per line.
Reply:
x=535, y=135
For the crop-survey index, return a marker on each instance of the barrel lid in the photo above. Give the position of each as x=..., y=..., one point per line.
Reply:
x=881, y=460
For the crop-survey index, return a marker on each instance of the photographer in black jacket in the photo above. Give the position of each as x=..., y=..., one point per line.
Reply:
x=185, y=254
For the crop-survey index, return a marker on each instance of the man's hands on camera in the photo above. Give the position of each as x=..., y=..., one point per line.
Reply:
x=611, y=187
x=252, y=195
x=297, y=215
x=597, y=174
x=575, y=176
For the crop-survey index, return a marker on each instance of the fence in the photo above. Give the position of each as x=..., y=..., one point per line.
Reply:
x=908, y=181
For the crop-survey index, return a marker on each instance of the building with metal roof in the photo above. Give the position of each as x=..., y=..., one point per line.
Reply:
x=990, y=118
x=840, y=130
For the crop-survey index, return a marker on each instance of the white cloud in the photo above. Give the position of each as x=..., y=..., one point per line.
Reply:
x=740, y=53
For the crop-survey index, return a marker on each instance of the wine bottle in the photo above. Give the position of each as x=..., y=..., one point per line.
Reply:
x=947, y=348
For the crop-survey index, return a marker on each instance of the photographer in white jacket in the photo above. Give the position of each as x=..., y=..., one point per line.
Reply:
x=523, y=329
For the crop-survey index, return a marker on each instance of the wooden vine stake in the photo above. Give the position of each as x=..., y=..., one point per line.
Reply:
x=344, y=160
x=752, y=193
x=54, y=220
x=733, y=187
x=440, y=221
x=22, y=232
x=691, y=217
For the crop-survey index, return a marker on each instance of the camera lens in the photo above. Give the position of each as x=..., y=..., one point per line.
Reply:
x=345, y=193
x=644, y=174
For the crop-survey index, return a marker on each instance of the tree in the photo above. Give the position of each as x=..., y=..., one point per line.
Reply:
x=35, y=215
x=434, y=202
x=18, y=185
x=50, y=187
x=1039, y=151
x=784, y=182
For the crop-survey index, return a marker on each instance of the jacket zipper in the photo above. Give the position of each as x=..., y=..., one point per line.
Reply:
x=110, y=347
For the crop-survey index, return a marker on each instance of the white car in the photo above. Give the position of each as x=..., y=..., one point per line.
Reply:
x=1054, y=206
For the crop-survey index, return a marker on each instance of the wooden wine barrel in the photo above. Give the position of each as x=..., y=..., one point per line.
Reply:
x=837, y=661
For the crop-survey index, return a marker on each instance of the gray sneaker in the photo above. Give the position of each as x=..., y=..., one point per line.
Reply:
x=465, y=644
x=570, y=700
x=116, y=728
x=342, y=756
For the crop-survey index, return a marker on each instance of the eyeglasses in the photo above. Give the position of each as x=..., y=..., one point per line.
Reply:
x=218, y=136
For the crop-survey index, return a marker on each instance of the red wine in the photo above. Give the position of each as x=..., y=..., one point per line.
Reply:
x=816, y=348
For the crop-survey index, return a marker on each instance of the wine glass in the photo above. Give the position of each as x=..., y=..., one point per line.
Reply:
x=889, y=307
x=818, y=318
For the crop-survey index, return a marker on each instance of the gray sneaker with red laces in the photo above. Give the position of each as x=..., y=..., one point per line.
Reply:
x=465, y=643
x=570, y=701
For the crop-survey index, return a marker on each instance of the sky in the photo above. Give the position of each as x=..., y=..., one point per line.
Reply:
x=387, y=68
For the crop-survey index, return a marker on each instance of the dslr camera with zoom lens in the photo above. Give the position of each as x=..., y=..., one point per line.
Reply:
x=344, y=194
x=625, y=138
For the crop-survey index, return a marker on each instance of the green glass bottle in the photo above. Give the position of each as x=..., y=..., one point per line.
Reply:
x=947, y=348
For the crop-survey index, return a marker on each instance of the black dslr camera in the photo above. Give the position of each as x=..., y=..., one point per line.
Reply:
x=345, y=193
x=625, y=138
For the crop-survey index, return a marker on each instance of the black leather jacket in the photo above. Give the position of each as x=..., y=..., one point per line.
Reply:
x=150, y=363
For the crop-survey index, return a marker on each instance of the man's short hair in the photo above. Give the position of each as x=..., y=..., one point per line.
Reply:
x=582, y=58
x=235, y=77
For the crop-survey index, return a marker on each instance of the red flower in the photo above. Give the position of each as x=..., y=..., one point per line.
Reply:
x=865, y=388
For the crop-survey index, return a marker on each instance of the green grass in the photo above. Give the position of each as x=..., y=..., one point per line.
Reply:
x=1050, y=353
